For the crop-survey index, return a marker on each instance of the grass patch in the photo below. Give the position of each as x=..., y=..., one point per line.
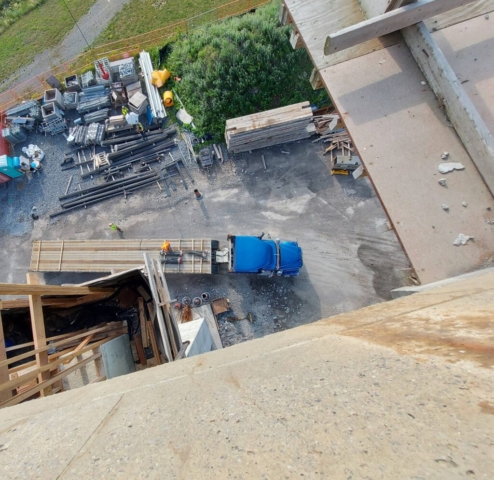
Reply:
x=42, y=28
x=240, y=66
x=141, y=16
x=12, y=10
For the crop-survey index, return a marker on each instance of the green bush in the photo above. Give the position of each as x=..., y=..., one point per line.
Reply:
x=240, y=66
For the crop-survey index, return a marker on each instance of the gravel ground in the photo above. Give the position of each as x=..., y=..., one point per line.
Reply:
x=348, y=264
x=91, y=24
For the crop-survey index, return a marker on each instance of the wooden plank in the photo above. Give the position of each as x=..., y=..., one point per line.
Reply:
x=316, y=80
x=388, y=22
x=142, y=319
x=103, y=256
x=82, y=345
x=55, y=302
x=163, y=307
x=61, y=255
x=315, y=20
x=468, y=48
x=48, y=383
x=39, y=253
x=459, y=15
x=39, y=334
x=159, y=313
x=20, y=289
x=372, y=8
x=168, y=307
x=140, y=349
x=468, y=123
x=296, y=40
x=53, y=364
x=4, y=371
x=154, y=343
x=53, y=345
x=383, y=120
x=394, y=4
x=56, y=337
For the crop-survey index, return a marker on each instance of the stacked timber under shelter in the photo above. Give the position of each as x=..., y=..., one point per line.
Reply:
x=273, y=127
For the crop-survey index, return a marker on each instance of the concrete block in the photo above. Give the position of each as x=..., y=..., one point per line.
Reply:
x=117, y=357
x=197, y=332
x=72, y=84
x=138, y=103
x=54, y=96
x=50, y=111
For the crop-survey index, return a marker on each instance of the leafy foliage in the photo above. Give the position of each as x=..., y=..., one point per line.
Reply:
x=240, y=66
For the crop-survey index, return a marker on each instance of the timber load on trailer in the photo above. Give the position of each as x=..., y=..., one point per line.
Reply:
x=118, y=255
x=242, y=254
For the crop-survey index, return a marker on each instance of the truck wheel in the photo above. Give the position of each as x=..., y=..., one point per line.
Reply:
x=215, y=245
x=215, y=269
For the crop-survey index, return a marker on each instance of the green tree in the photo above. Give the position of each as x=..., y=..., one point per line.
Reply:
x=240, y=66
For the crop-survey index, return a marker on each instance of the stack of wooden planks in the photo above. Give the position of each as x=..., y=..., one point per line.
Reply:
x=272, y=127
x=115, y=255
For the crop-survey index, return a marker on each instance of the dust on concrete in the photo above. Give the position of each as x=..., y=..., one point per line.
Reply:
x=347, y=263
x=92, y=25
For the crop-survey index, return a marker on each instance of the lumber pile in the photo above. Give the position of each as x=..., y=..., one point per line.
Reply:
x=34, y=378
x=272, y=127
x=116, y=255
x=343, y=155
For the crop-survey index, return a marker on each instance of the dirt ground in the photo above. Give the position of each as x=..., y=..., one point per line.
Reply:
x=348, y=264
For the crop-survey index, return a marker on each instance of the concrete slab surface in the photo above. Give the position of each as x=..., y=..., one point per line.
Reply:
x=314, y=401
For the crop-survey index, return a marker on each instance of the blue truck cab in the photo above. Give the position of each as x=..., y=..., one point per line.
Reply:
x=249, y=254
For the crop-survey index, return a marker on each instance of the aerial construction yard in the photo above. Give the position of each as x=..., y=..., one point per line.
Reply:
x=246, y=239
x=350, y=258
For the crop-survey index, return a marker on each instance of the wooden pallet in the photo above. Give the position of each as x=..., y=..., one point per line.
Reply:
x=114, y=255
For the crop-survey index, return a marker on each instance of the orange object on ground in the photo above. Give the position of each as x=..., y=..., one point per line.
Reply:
x=168, y=98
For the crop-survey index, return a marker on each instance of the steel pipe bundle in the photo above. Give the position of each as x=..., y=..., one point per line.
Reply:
x=91, y=104
x=94, y=134
x=14, y=134
x=102, y=192
x=96, y=116
x=22, y=108
x=139, y=146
